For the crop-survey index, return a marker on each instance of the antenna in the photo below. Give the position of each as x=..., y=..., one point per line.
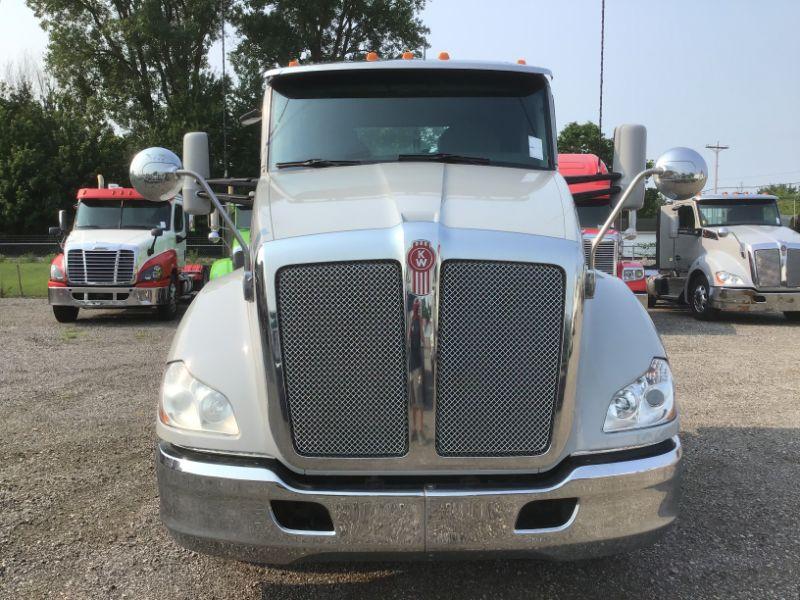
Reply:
x=717, y=149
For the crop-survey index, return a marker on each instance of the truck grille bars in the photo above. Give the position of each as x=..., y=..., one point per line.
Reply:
x=500, y=328
x=768, y=267
x=343, y=343
x=606, y=257
x=100, y=266
x=343, y=338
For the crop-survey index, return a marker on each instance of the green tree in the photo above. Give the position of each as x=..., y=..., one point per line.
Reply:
x=788, y=196
x=586, y=138
x=49, y=147
x=141, y=63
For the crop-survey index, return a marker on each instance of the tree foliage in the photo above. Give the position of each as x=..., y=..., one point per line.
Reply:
x=49, y=147
x=586, y=138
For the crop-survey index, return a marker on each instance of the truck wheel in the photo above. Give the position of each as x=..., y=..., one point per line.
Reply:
x=793, y=315
x=168, y=311
x=700, y=299
x=66, y=314
x=651, y=301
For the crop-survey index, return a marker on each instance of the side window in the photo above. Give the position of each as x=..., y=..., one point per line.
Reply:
x=178, y=220
x=686, y=219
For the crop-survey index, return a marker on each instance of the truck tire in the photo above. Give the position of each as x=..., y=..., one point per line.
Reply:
x=699, y=299
x=168, y=311
x=793, y=315
x=66, y=314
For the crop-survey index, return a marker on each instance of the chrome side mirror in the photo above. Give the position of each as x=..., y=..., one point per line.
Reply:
x=723, y=232
x=681, y=173
x=214, y=237
x=63, y=221
x=154, y=174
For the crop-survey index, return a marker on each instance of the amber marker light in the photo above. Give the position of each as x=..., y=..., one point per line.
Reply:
x=408, y=55
x=521, y=61
x=444, y=56
x=372, y=56
x=294, y=63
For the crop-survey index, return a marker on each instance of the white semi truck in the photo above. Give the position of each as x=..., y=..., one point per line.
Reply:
x=122, y=252
x=727, y=252
x=415, y=357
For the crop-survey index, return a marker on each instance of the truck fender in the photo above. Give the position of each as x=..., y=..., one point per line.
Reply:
x=218, y=341
x=711, y=262
x=618, y=341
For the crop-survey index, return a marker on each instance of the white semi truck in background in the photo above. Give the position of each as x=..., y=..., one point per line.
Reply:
x=416, y=357
x=122, y=251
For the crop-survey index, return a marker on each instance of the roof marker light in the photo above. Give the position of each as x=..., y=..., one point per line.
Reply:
x=372, y=56
x=408, y=55
x=444, y=56
x=294, y=62
x=521, y=61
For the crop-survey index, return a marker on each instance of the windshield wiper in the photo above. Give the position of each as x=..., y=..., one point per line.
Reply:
x=317, y=163
x=445, y=157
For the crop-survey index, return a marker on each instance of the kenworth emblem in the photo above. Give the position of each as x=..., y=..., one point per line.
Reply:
x=420, y=262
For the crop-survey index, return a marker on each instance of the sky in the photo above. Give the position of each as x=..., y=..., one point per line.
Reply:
x=693, y=71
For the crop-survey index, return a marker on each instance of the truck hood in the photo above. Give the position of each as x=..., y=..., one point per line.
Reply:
x=760, y=234
x=312, y=201
x=111, y=238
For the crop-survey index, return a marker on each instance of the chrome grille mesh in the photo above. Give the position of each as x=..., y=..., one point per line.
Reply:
x=499, y=354
x=100, y=266
x=793, y=267
x=606, y=256
x=343, y=343
x=768, y=267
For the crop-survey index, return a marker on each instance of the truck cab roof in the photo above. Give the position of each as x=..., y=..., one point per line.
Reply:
x=459, y=65
x=113, y=193
x=733, y=196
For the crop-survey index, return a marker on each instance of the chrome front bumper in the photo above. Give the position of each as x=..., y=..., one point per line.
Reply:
x=222, y=505
x=107, y=297
x=749, y=300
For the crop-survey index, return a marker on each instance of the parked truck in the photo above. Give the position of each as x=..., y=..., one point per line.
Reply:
x=123, y=251
x=416, y=357
x=593, y=189
x=727, y=252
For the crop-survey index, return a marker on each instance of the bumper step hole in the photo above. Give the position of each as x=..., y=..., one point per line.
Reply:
x=302, y=516
x=546, y=514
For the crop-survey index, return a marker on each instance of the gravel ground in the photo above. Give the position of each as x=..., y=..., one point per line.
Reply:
x=79, y=504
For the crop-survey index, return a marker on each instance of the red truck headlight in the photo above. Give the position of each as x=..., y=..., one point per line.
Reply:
x=632, y=273
x=57, y=271
x=158, y=268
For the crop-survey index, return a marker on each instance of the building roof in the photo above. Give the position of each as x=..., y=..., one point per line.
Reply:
x=461, y=65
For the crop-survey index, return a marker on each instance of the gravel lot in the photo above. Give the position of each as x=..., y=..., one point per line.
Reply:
x=79, y=504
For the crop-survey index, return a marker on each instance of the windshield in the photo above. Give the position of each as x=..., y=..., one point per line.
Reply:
x=499, y=118
x=738, y=212
x=593, y=215
x=127, y=214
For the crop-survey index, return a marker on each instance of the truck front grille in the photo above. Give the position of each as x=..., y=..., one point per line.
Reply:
x=793, y=268
x=343, y=344
x=768, y=267
x=606, y=256
x=100, y=266
x=499, y=355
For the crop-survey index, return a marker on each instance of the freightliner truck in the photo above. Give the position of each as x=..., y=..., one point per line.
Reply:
x=727, y=252
x=122, y=252
x=416, y=358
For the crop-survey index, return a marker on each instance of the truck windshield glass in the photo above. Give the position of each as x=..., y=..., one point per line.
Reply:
x=738, y=212
x=128, y=214
x=593, y=215
x=335, y=118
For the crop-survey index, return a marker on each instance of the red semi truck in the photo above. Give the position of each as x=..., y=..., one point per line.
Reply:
x=123, y=251
x=591, y=185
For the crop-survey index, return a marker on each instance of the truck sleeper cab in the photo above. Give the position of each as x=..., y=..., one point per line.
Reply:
x=720, y=252
x=398, y=367
x=112, y=259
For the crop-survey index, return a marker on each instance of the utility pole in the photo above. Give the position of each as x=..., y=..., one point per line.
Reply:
x=717, y=149
x=602, y=48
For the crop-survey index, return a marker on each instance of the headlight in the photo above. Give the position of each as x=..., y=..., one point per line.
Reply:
x=632, y=273
x=56, y=273
x=186, y=403
x=725, y=278
x=648, y=401
x=153, y=273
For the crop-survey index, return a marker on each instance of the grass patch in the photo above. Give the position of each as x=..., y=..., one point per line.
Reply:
x=32, y=273
x=69, y=334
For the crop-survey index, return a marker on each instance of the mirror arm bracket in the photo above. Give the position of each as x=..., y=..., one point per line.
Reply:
x=591, y=279
x=247, y=282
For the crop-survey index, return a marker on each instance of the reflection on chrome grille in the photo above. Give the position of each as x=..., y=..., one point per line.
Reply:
x=343, y=343
x=606, y=256
x=768, y=267
x=500, y=332
x=100, y=266
x=793, y=268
